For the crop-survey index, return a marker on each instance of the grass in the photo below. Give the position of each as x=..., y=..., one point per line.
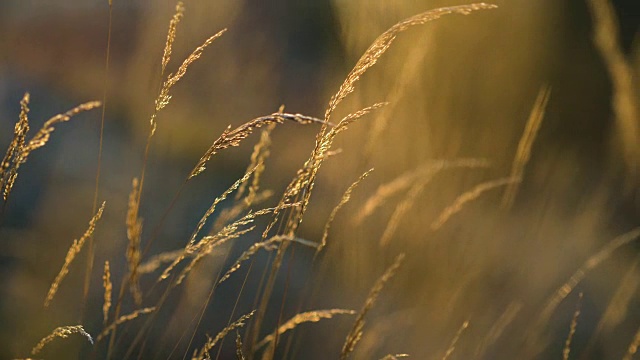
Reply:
x=441, y=248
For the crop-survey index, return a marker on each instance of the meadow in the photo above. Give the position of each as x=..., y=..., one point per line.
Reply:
x=421, y=180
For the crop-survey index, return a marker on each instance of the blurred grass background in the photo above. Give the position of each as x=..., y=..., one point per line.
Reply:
x=462, y=86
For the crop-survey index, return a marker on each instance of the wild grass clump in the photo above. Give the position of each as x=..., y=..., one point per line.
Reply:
x=411, y=228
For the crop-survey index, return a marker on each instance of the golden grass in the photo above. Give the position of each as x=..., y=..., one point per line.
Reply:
x=301, y=187
x=383, y=42
x=240, y=219
x=71, y=255
x=12, y=160
x=211, y=342
x=232, y=138
x=624, y=79
x=239, y=351
x=533, y=339
x=523, y=154
x=42, y=136
x=356, y=332
x=268, y=245
x=619, y=305
x=498, y=328
x=572, y=329
x=593, y=261
x=456, y=338
x=469, y=196
x=61, y=332
x=134, y=232
x=154, y=262
x=171, y=34
x=123, y=319
x=261, y=152
x=418, y=180
x=345, y=199
x=108, y=288
x=208, y=243
x=394, y=356
x=19, y=148
x=422, y=174
x=164, y=96
x=308, y=316
x=633, y=347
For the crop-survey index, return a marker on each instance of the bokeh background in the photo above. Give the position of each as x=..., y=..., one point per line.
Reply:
x=459, y=87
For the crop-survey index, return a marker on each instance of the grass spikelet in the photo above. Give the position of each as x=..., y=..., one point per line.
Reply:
x=347, y=120
x=268, y=245
x=43, y=135
x=171, y=34
x=19, y=149
x=203, y=220
x=61, y=332
x=108, y=288
x=206, y=248
x=524, y=146
x=383, y=42
x=261, y=152
x=345, y=198
x=394, y=356
x=572, y=330
x=11, y=160
x=204, y=352
x=164, y=96
x=356, y=331
x=467, y=197
x=309, y=316
x=232, y=138
x=208, y=243
x=411, y=177
x=624, y=81
x=633, y=347
x=71, y=254
x=217, y=200
x=182, y=70
x=418, y=186
x=595, y=260
x=229, y=214
x=156, y=261
x=239, y=353
x=304, y=180
x=406, y=77
x=134, y=231
x=123, y=319
x=452, y=346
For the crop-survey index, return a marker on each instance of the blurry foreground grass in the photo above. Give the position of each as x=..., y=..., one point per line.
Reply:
x=483, y=230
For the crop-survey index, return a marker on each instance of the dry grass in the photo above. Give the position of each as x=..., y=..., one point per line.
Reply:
x=449, y=281
x=211, y=342
x=108, y=288
x=572, y=330
x=71, y=255
x=308, y=316
x=345, y=199
x=469, y=196
x=19, y=148
x=61, y=332
x=523, y=153
x=622, y=74
x=356, y=332
x=123, y=319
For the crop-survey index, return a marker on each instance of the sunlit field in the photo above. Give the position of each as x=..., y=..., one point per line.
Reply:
x=319, y=179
